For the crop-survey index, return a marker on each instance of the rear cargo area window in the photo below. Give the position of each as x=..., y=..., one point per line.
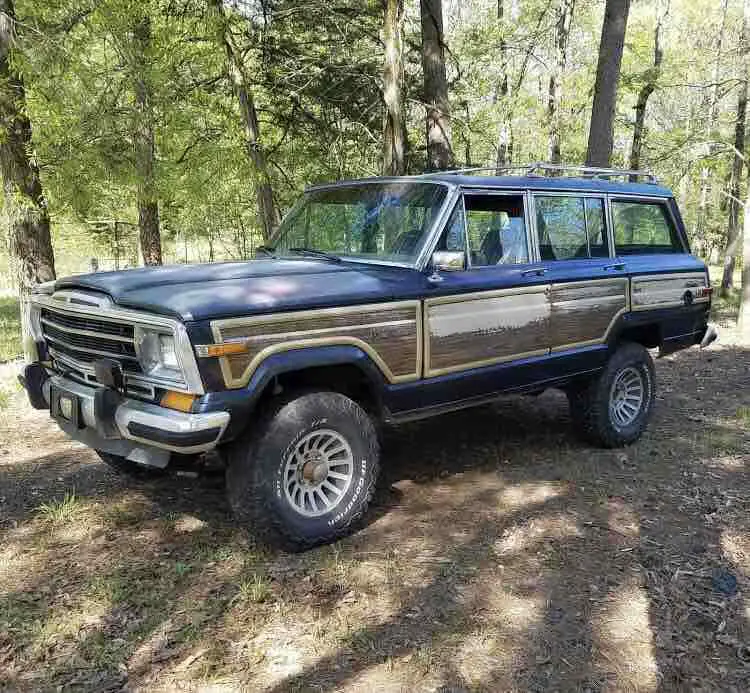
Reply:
x=643, y=228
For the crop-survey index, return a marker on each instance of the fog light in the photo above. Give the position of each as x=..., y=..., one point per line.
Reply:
x=66, y=407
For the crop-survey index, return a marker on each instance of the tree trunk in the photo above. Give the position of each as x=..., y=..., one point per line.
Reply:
x=743, y=322
x=439, y=152
x=502, y=95
x=29, y=239
x=601, y=131
x=563, y=19
x=394, y=131
x=652, y=77
x=738, y=161
x=145, y=146
x=267, y=214
x=700, y=224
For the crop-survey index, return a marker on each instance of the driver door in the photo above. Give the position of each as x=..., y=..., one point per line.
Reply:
x=497, y=309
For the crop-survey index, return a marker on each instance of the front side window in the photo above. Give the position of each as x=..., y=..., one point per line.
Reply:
x=496, y=229
x=570, y=227
x=643, y=228
x=380, y=221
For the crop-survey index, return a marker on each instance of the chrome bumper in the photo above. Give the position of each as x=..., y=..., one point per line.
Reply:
x=709, y=336
x=141, y=432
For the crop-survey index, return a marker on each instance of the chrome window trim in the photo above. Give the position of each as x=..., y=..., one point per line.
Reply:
x=460, y=190
x=608, y=228
x=422, y=257
x=537, y=256
x=433, y=235
x=107, y=312
x=649, y=199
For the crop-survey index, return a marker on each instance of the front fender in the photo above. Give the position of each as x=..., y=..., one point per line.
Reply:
x=241, y=402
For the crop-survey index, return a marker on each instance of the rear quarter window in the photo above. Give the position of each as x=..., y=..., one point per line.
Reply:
x=643, y=228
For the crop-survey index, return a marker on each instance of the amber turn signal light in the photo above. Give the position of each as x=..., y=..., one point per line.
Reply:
x=225, y=349
x=177, y=400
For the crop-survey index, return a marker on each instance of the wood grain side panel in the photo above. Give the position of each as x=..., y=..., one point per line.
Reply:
x=583, y=313
x=390, y=335
x=483, y=330
x=666, y=290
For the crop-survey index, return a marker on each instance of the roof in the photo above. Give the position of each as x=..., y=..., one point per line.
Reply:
x=559, y=183
x=554, y=183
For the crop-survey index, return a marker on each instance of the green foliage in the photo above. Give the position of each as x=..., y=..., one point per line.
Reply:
x=315, y=71
x=10, y=330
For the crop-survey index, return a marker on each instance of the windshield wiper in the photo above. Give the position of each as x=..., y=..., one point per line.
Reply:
x=311, y=252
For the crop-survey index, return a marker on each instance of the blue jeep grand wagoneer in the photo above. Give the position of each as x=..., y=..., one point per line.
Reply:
x=378, y=300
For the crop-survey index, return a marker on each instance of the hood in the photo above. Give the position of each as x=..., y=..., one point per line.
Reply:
x=229, y=289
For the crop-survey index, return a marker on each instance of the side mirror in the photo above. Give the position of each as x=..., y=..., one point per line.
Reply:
x=448, y=260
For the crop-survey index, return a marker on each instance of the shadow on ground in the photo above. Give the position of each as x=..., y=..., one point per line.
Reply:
x=501, y=554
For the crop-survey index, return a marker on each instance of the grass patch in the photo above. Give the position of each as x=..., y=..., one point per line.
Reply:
x=255, y=589
x=743, y=414
x=58, y=512
x=10, y=330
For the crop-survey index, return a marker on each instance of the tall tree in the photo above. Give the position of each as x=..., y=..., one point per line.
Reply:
x=563, y=19
x=439, y=151
x=651, y=79
x=711, y=112
x=29, y=239
x=394, y=130
x=502, y=95
x=744, y=314
x=144, y=144
x=238, y=74
x=738, y=159
x=601, y=131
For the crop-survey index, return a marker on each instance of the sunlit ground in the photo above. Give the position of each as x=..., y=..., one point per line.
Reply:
x=501, y=554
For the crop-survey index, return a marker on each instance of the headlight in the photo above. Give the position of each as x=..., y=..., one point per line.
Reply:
x=157, y=353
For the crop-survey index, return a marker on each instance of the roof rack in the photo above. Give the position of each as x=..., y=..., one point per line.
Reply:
x=540, y=168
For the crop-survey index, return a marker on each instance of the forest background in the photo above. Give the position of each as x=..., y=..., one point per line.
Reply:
x=165, y=131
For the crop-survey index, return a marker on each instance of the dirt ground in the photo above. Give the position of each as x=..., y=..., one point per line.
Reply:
x=501, y=554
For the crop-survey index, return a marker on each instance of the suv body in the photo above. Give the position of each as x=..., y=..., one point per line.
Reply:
x=385, y=299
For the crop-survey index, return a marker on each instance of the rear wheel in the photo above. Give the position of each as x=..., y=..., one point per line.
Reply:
x=614, y=408
x=306, y=474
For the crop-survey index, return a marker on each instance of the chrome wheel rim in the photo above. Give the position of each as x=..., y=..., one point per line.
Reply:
x=626, y=397
x=318, y=472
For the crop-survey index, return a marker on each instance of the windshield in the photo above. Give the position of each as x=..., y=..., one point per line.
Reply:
x=374, y=221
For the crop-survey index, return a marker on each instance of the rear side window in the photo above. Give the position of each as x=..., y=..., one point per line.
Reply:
x=570, y=227
x=643, y=228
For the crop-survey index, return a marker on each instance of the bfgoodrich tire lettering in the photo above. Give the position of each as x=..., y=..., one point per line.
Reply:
x=269, y=469
x=591, y=403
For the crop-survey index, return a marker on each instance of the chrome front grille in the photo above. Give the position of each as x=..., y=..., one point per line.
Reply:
x=85, y=339
x=80, y=327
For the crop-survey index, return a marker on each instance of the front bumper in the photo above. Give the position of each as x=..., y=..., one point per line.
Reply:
x=139, y=431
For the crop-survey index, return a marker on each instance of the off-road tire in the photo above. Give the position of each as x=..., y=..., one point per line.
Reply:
x=255, y=474
x=128, y=468
x=590, y=400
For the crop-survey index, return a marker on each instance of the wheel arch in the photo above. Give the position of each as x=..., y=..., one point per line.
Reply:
x=339, y=368
x=647, y=333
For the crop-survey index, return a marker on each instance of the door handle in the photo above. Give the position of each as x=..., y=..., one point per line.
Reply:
x=619, y=266
x=538, y=271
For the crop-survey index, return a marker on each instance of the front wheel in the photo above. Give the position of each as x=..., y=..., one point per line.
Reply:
x=614, y=408
x=306, y=475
